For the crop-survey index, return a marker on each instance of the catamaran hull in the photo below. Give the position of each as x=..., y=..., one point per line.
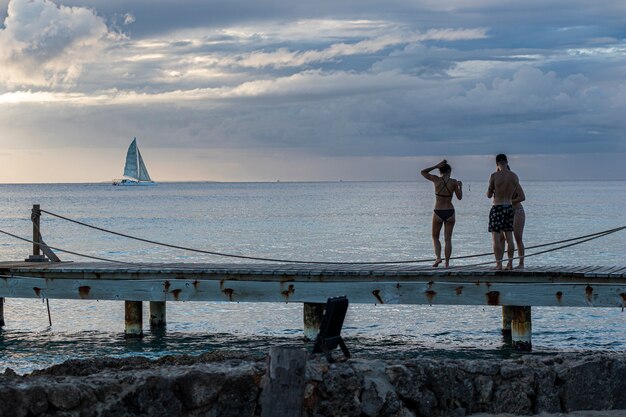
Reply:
x=133, y=183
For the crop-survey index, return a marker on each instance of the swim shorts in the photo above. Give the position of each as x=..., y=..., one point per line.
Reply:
x=501, y=218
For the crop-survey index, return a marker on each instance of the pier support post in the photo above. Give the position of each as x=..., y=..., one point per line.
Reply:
x=507, y=315
x=521, y=328
x=2, y=312
x=133, y=318
x=157, y=313
x=313, y=313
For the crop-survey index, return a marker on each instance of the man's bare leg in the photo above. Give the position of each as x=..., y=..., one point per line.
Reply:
x=510, y=249
x=498, y=248
x=520, y=253
x=503, y=243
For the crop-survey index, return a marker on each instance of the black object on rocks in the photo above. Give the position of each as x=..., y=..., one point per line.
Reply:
x=329, y=336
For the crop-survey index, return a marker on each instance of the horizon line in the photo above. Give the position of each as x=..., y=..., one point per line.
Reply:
x=303, y=181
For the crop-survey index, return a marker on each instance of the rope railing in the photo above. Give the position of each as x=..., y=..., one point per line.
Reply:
x=230, y=255
x=574, y=241
x=588, y=239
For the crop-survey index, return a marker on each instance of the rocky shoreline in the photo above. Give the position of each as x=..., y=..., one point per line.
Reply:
x=228, y=384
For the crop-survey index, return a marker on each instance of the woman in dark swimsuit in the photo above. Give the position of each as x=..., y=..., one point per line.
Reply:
x=519, y=220
x=443, y=214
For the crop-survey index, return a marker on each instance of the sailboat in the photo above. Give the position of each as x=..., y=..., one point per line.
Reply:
x=135, y=171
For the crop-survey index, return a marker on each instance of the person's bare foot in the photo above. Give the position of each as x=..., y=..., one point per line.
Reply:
x=509, y=265
x=520, y=266
x=498, y=266
x=437, y=262
x=447, y=264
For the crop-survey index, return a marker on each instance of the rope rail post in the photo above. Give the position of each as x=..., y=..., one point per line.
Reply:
x=2, y=312
x=36, y=219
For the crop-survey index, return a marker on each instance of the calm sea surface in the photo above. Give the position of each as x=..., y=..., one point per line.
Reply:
x=312, y=221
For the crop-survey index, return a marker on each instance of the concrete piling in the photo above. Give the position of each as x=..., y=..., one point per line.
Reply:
x=521, y=328
x=313, y=313
x=507, y=314
x=133, y=318
x=157, y=313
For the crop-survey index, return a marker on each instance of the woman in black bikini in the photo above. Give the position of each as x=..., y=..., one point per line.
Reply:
x=443, y=214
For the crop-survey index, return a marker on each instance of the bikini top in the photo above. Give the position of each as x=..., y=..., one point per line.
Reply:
x=445, y=186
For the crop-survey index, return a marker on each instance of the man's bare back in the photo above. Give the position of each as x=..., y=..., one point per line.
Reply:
x=502, y=186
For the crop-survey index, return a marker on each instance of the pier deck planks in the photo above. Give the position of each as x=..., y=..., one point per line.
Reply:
x=585, y=286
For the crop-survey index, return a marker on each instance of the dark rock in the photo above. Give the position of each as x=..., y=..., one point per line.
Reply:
x=338, y=393
x=617, y=379
x=197, y=389
x=13, y=402
x=218, y=394
x=37, y=400
x=451, y=386
x=229, y=386
x=152, y=397
x=64, y=396
x=513, y=397
x=547, y=393
x=484, y=389
x=596, y=380
x=512, y=370
x=480, y=367
x=378, y=396
x=410, y=384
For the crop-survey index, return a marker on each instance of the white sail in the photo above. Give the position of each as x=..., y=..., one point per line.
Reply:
x=135, y=169
x=142, y=172
x=131, y=167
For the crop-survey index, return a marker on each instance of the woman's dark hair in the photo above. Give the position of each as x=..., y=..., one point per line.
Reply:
x=445, y=168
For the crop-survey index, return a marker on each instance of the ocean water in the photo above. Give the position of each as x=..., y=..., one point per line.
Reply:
x=331, y=221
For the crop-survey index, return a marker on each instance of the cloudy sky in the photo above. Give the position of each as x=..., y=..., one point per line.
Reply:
x=239, y=90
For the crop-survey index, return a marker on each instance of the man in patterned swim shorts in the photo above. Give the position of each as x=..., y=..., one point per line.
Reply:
x=502, y=186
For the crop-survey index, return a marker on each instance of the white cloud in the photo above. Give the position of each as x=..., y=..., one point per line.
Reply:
x=128, y=19
x=285, y=58
x=307, y=85
x=529, y=91
x=44, y=44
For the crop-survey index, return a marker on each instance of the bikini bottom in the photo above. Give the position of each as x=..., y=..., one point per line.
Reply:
x=444, y=214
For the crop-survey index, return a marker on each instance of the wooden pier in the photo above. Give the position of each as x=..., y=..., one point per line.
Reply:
x=312, y=284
